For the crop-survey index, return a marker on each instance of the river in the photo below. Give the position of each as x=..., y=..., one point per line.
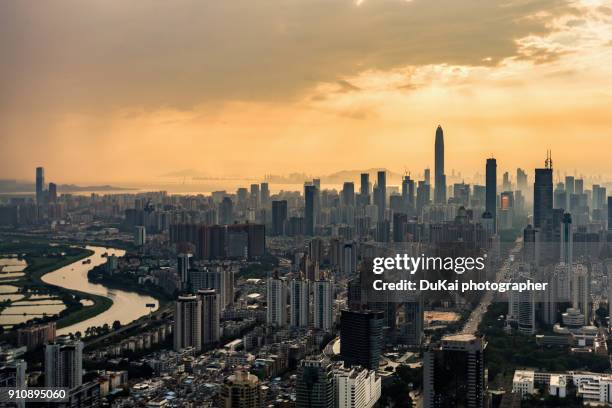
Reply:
x=127, y=306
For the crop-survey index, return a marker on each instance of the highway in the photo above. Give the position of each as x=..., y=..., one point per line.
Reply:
x=503, y=275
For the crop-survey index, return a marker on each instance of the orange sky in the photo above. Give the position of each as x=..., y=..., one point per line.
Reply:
x=114, y=91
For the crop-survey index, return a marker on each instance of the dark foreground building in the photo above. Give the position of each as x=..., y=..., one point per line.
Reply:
x=454, y=373
x=361, y=337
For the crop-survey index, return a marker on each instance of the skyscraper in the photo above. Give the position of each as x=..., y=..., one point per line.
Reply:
x=581, y=291
x=315, y=384
x=279, y=217
x=348, y=262
x=364, y=189
x=299, y=302
x=221, y=279
x=506, y=184
x=64, y=363
x=323, y=305
x=265, y=195
x=52, y=195
x=411, y=330
x=276, y=296
x=255, y=198
x=188, y=323
x=400, y=223
x=140, y=235
x=408, y=195
x=348, y=194
x=569, y=185
x=422, y=196
x=521, y=180
x=226, y=210
x=182, y=267
x=309, y=209
x=361, y=337
x=543, y=200
x=209, y=301
x=491, y=190
x=567, y=238
x=381, y=194
x=40, y=185
x=440, y=177
x=578, y=185
x=454, y=373
x=599, y=197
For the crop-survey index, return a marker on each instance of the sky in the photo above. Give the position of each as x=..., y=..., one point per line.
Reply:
x=116, y=92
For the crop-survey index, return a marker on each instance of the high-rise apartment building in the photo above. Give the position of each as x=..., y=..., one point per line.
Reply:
x=140, y=235
x=188, y=323
x=323, y=291
x=299, y=302
x=37, y=335
x=356, y=387
x=209, y=301
x=64, y=363
x=276, y=296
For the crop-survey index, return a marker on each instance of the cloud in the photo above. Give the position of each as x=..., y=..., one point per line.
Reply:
x=346, y=86
x=125, y=90
x=99, y=55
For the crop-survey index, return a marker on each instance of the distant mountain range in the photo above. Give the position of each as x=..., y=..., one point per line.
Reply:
x=293, y=178
x=334, y=178
x=14, y=186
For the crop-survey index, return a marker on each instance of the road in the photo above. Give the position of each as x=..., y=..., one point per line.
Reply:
x=143, y=322
x=503, y=274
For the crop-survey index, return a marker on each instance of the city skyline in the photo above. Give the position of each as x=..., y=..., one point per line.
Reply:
x=306, y=203
x=189, y=179
x=294, y=93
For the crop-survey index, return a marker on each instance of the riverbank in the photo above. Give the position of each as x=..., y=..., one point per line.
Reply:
x=56, y=269
x=45, y=238
x=128, y=305
x=42, y=258
x=119, y=281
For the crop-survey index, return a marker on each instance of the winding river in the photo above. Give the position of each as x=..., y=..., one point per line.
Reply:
x=127, y=306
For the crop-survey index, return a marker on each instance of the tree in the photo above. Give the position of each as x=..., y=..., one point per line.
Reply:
x=116, y=325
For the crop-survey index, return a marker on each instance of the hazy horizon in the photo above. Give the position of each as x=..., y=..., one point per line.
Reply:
x=114, y=92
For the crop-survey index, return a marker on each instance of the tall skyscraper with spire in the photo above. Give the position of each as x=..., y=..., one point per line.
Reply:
x=440, y=177
x=543, y=196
